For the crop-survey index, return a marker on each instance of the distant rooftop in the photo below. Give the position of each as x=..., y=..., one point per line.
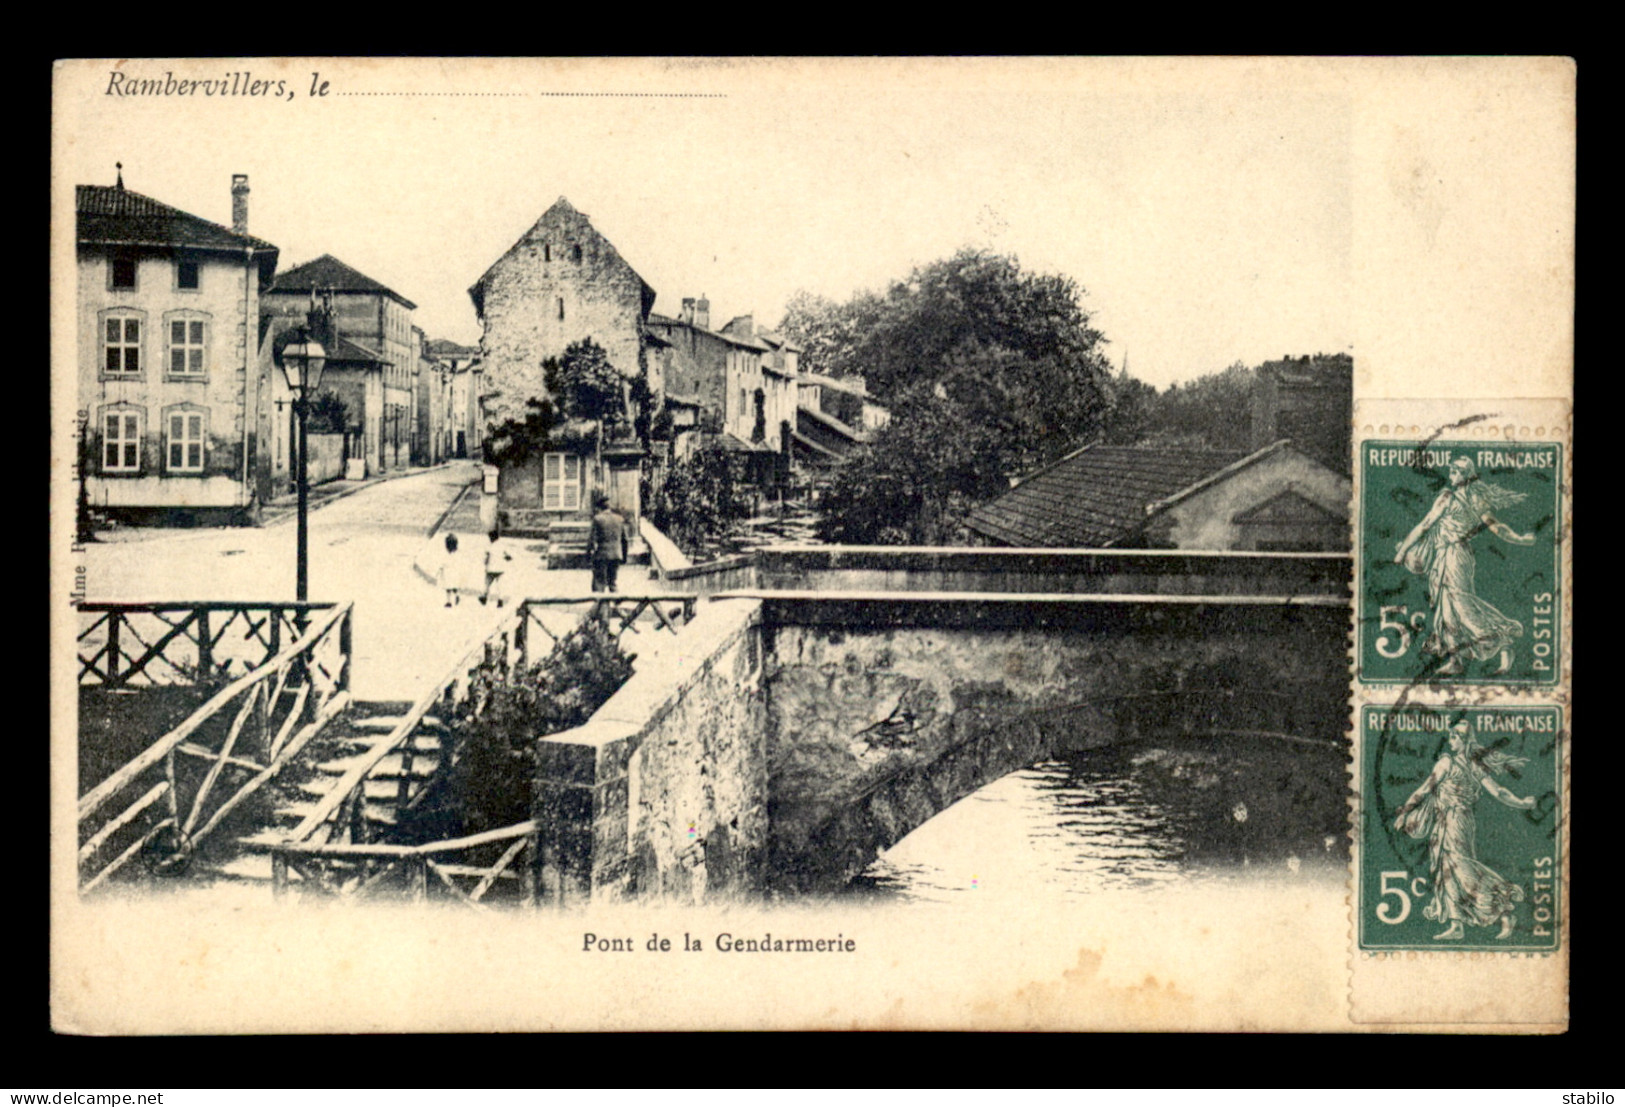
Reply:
x=328, y=272
x=1099, y=496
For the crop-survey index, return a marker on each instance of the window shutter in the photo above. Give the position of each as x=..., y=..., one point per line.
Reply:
x=572, y=482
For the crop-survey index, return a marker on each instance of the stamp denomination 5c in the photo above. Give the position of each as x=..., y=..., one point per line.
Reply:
x=1458, y=541
x=1460, y=835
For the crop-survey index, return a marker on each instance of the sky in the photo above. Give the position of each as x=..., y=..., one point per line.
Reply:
x=1207, y=221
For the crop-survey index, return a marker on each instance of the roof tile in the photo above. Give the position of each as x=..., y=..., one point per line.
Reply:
x=112, y=215
x=1097, y=497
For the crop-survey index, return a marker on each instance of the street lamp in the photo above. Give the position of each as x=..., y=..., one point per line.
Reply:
x=302, y=360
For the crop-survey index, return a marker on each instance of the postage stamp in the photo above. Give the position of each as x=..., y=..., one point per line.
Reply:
x=1458, y=543
x=1461, y=828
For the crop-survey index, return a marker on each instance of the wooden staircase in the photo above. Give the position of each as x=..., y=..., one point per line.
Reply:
x=388, y=791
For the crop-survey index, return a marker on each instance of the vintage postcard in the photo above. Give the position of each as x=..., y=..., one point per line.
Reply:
x=708, y=543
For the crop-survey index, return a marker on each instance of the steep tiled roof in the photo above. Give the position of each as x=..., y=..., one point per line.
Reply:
x=777, y=340
x=113, y=215
x=839, y=384
x=328, y=272
x=732, y=444
x=1097, y=496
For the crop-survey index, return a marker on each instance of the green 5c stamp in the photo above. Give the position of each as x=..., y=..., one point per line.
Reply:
x=1460, y=828
x=1459, y=567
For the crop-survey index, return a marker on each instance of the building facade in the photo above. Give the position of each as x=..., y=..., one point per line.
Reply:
x=741, y=384
x=379, y=358
x=464, y=377
x=560, y=283
x=431, y=386
x=172, y=382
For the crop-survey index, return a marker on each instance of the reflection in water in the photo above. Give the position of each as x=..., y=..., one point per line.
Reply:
x=1132, y=817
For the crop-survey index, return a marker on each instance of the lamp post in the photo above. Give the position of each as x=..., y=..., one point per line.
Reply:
x=302, y=360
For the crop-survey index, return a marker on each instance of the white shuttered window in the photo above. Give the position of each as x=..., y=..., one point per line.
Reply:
x=561, y=482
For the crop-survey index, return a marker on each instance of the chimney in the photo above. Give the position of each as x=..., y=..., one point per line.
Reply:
x=687, y=314
x=239, y=202
x=702, y=313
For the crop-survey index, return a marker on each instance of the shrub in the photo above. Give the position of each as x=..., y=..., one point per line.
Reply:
x=698, y=501
x=492, y=781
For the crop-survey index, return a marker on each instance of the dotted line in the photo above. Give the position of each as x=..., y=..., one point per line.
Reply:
x=663, y=95
x=620, y=95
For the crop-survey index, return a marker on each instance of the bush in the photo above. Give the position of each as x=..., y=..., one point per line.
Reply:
x=492, y=781
x=698, y=501
x=329, y=414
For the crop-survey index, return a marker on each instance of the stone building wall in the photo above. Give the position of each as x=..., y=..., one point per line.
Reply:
x=1206, y=520
x=228, y=393
x=562, y=259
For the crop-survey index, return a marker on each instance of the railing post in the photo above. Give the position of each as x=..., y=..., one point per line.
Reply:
x=527, y=869
x=276, y=630
x=521, y=636
x=279, y=873
x=205, y=645
x=418, y=874
x=345, y=635
x=112, y=648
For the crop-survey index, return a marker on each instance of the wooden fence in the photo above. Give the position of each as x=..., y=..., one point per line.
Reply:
x=280, y=705
x=180, y=643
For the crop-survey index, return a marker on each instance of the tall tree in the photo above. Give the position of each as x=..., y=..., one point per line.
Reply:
x=972, y=347
x=916, y=479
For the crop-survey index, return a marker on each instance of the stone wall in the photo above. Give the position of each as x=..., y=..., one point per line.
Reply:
x=603, y=299
x=782, y=741
x=663, y=793
x=881, y=714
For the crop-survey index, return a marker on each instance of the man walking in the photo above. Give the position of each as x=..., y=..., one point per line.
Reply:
x=606, y=544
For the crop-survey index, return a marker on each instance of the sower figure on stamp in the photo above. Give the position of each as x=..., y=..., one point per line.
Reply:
x=1439, y=549
x=1441, y=810
x=606, y=544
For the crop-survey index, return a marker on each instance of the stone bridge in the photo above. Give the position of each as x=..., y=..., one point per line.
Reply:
x=790, y=733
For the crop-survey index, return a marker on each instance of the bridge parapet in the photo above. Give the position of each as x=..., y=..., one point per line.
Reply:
x=663, y=793
x=944, y=569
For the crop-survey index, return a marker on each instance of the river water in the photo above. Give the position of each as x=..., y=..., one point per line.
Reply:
x=1129, y=818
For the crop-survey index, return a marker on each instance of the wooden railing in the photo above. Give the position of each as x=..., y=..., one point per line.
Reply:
x=352, y=870
x=331, y=850
x=144, y=644
x=280, y=706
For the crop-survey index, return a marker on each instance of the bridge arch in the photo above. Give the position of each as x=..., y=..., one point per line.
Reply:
x=880, y=716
